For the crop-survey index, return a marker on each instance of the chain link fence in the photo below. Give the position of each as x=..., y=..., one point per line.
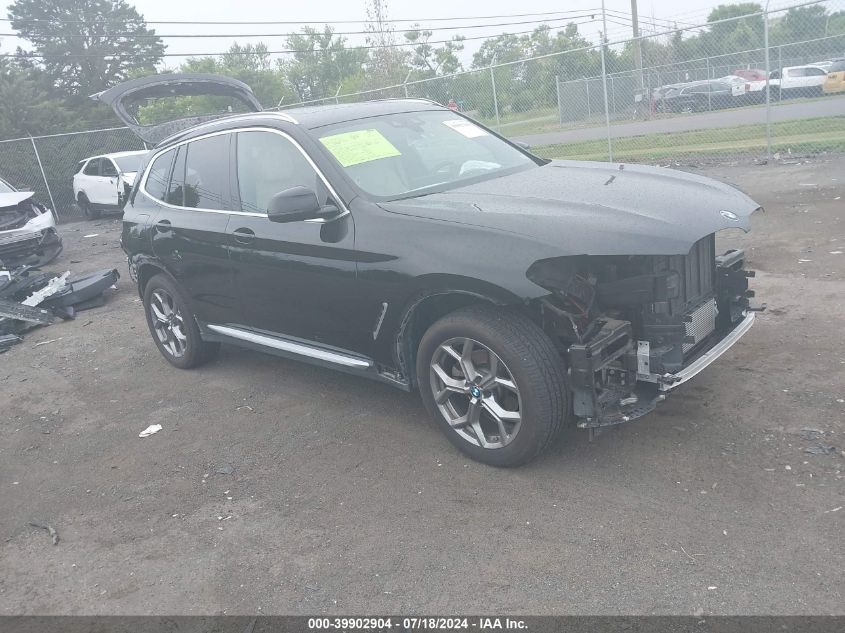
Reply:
x=46, y=164
x=746, y=88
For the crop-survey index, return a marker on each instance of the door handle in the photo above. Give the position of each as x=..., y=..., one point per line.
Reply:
x=162, y=226
x=244, y=235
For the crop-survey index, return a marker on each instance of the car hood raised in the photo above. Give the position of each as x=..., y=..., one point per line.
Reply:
x=14, y=198
x=591, y=208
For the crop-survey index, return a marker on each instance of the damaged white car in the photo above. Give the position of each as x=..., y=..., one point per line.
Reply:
x=102, y=183
x=28, y=233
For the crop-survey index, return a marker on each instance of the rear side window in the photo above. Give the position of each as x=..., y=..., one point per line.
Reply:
x=207, y=173
x=814, y=72
x=837, y=67
x=176, y=190
x=157, y=176
x=92, y=168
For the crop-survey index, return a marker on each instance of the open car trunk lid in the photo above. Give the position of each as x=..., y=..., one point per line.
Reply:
x=130, y=97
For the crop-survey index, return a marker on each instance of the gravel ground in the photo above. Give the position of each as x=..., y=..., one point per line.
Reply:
x=276, y=487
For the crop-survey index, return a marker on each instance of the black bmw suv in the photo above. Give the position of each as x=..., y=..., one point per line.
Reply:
x=404, y=242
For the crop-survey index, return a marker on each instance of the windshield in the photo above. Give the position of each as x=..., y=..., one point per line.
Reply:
x=129, y=163
x=5, y=187
x=413, y=153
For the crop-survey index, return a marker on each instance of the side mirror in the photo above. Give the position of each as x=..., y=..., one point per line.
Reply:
x=524, y=146
x=296, y=204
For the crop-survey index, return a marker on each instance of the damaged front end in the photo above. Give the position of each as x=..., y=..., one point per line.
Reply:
x=635, y=327
x=28, y=233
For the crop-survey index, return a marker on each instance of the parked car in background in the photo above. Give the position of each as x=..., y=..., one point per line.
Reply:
x=792, y=81
x=404, y=242
x=699, y=96
x=835, y=80
x=751, y=74
x=27, y=229
x=102, y=183
x=658, y=96
x=826, y=64
x=740, y=87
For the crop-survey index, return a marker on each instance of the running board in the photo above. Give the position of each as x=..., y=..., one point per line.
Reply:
x=292, y=347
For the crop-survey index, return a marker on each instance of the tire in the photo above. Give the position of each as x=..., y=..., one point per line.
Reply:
x=89, y=211
x=524, y=353
x=177, y=338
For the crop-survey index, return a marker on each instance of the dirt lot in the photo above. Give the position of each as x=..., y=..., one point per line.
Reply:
x=276, y=487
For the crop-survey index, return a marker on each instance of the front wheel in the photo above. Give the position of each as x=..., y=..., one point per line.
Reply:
x=172, y=325
x=494, y=382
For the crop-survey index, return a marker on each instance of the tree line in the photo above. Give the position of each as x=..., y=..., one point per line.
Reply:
x=79, y=47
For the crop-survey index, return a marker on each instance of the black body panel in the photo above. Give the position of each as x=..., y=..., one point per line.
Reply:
x=356, y=283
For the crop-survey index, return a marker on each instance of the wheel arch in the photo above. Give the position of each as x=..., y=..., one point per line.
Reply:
x=145, y=270
x=433, y=303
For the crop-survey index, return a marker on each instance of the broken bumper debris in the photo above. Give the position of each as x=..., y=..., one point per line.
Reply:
x=29, y=298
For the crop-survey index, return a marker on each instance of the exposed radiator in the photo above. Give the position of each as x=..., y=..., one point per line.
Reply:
x=699, y=269
x=700, y=323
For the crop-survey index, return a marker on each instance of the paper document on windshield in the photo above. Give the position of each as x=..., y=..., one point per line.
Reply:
x=467, y=128
x=361, y=146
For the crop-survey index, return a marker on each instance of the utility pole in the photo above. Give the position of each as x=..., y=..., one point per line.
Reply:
x=638, y=50
x=602, y=42
x=768, y=72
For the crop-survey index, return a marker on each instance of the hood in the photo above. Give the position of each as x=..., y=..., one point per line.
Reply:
x=14, y=198
x=590, y=208
x=124, y=99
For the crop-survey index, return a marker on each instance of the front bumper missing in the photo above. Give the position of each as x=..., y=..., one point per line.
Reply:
x=637, y=391
x=667, y=382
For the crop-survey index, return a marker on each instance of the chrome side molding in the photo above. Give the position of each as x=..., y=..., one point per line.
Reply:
x=292, y=347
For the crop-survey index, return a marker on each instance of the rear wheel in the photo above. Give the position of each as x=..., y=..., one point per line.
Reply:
x=172, y=325
x=494, y=382
x=88, y=211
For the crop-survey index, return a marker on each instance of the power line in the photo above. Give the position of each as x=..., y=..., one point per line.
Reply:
x=319, y=31
x=307, y=22
x=290, y=51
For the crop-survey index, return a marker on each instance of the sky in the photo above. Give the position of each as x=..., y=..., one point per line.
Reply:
x=654, y=15
x=330, y=11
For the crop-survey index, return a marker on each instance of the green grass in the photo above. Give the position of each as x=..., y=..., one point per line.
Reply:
x=541, y=120
x=807, y=135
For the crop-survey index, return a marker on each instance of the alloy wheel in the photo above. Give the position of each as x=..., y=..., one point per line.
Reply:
x=476, y=393
x=168, y=323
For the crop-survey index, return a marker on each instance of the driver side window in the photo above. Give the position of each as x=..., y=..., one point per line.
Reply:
x=92, y=168
x=269, y=163
x=108, y=168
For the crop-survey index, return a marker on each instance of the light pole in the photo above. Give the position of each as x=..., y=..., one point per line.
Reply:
x=602, y=40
